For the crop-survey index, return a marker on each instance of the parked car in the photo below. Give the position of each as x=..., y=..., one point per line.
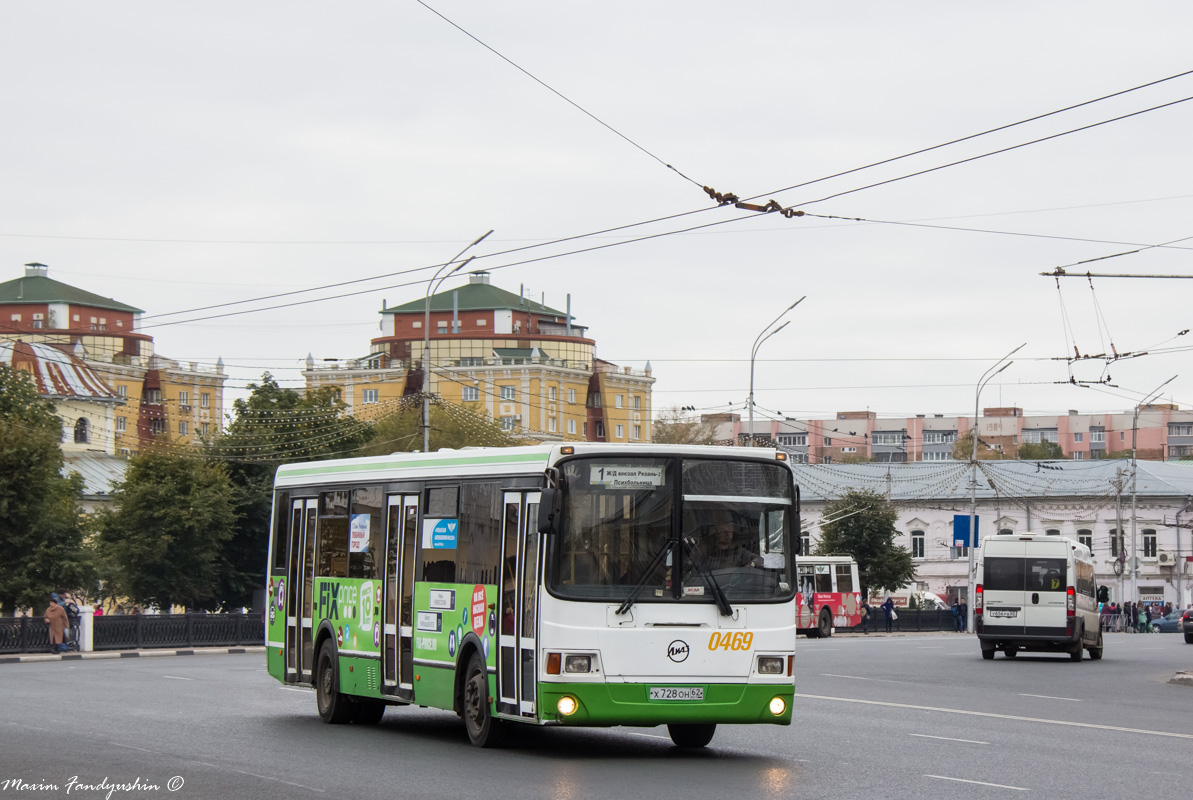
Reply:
x=1187, y=624
x=1170, y=622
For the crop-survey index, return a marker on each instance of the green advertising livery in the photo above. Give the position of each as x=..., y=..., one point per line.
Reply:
x=580, y=584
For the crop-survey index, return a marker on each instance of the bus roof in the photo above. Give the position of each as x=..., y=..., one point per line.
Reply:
x=479, y=461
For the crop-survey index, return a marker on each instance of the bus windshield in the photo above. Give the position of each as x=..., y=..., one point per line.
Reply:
x=626, y=523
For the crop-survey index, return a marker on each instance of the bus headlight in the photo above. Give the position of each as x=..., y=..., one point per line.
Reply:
x=770, y=665
x=777, y=706
x=577, y=663
x=568, y=705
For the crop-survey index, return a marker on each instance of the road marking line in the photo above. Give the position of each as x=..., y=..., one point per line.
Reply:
x=947, y=738
x=931, y=647
x=294, y=689
x=859, y=678
x=1050, y=697
x=979, y=783
x=177, y=678
x=142, y=749
x=651, y=736
x=997, y=716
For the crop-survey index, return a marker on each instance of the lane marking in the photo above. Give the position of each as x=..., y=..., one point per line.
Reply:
x=997, y=716
x=142, y=749
x=947, y=738
x=1050, y=697
x=177, y=678
x=979, y=783
x=931, y=647
x=651, y=736
x=860, y=678
x=294, y=689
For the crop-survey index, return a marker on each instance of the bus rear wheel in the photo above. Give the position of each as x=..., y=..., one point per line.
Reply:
x=334, y=708
x=824, y=626
x=483, y=730
x=691, y=735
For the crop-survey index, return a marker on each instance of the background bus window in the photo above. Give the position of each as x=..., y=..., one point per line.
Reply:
x=332, y=553
x=844, y=577
x=366, y=512
x=441, y=502
x=478, y=543
x=281, y=511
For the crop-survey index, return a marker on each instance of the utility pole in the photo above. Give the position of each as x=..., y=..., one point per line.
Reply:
x=1134, y=480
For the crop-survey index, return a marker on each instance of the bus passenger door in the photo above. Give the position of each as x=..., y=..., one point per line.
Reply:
x=517, y=641
x=299, y=584
x=398, y=603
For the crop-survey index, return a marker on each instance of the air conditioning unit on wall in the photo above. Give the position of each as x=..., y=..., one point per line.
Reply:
x=1166, y=559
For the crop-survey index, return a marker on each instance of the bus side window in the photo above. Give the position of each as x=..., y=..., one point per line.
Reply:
x=844, y=578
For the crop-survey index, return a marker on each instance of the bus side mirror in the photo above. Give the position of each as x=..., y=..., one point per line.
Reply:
x=550, y=504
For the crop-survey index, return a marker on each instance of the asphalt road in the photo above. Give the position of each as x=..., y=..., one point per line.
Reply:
x=875, y=717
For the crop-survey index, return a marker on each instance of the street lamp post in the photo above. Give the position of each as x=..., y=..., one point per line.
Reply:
x=1134, y=438
x=998, y=367
x=762, y=337
x=431, y=287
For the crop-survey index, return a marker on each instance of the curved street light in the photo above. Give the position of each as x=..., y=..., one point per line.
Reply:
x=762, y=337
x=432, y=286
x=1134, y=436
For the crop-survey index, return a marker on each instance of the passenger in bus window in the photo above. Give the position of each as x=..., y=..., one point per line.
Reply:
x=724, y=552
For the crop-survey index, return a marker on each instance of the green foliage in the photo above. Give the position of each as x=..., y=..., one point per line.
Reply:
x=1040, y=451
x=164, y=536
x=451, y=426
x=42, y=531
x=863, y=526
x=963, y=449
x=674, y=426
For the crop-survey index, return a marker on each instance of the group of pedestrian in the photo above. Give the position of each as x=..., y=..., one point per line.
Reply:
x=960, y=616
x=62, y=617
x=889, y=615
x=1132, y=617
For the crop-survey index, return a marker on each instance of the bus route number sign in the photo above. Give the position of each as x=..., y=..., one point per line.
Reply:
x=626, y=476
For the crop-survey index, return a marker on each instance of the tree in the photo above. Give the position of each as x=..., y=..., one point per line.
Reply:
x=963, y=449
x=674, y=426
x=42, y=530
x=1040, y=451
x=164, y=537
x=452, y=426
x=271, y=426
x=862, y=524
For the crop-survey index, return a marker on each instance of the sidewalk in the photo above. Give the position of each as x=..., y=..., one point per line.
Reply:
x=22, y=658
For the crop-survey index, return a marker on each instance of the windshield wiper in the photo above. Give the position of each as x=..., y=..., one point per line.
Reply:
x=718, y=593
x=641, y=584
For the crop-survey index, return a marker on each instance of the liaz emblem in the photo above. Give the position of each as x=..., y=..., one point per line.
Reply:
x=678, y=651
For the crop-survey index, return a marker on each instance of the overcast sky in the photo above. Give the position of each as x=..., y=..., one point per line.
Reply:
x=179, y=156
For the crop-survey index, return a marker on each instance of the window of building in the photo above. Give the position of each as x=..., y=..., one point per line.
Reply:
x=1078, y=437
x=600, y=430
x=939, y=437
x=551, y=393
x=917, y=544
x=203, y=428
x=76, y=317
x=571, y=395
x=16, y=317
x=942, y=455
x=82, y=431
x=572, y=426
x=368, y=396
x=805, y=545
x=38, y=320
x=507, y=392
x=157, y=427
x=94, y=320
x=416, y=324
x=826, y=460
x=480, y=323
x=793, y=439
x=184, y=428
x=960, y=552
x=472, y=361
x=848, y=449
x=122, y=391
x=1086, y=537
x=441, y=326
x=620, y=432
x=828, y=441
x=1149, y=543
x=594, y=400
x=887, y=438
x=121, y=424
x=636, y=431
x=205, y=400
x=1122, y=435
x=152, y=396
x=1180, y=429
x=471, y=394
x=551, y=424
x=637, y=403
x=509, y=423
x=1001, y=532
x=1097, y=434
x=184, y=398
x=1078, y=455
x=1047, y=532
x=617, y=401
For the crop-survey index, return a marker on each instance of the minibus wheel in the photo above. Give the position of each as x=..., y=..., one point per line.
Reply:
x=1011, y=651
x=1095, y=653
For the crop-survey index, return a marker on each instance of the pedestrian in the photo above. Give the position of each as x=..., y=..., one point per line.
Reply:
x=1141, y=618
x=99, y=611
x=964, y=617
x=56, y=619
x=117, y=610
x=888, y=611
x=866, y=617
x=956, y=616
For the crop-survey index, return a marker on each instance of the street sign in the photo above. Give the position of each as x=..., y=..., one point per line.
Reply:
x=961, y=530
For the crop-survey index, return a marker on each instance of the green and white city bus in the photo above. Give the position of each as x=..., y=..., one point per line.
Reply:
x=568, y=584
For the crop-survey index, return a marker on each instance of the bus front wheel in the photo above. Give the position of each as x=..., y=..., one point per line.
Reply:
x=483, y=730
x=691, y=735
x=824, y=627
x=334, y=708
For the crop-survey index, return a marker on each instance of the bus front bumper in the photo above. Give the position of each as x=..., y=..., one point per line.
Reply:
x=606, y=704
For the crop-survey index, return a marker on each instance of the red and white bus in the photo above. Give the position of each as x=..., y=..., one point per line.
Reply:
x=829, y=595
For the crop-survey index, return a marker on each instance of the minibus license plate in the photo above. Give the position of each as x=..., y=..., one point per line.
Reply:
x=676, y=693
x=1004, y=612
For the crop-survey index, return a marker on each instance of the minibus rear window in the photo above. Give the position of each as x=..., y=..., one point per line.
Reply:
x=1046, y=575
x=1003, y=575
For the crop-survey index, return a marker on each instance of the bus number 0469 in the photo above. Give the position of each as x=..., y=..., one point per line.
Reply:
x=730, y=640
